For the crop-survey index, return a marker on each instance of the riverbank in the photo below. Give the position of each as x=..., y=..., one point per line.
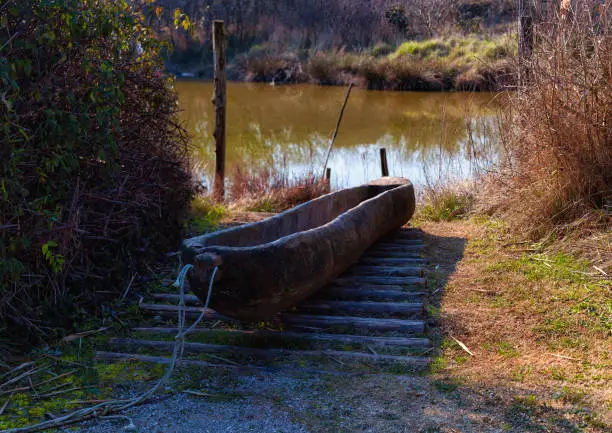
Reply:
x=463, y=63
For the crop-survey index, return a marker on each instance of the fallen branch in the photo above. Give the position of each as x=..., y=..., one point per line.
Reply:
x=6, y=403
x=564, y=357
x=463, y=346
x=597, y=268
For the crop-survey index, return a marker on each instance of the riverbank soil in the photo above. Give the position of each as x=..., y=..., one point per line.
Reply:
x=521, y=344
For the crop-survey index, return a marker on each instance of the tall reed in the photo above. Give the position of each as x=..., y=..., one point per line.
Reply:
x=558, y=127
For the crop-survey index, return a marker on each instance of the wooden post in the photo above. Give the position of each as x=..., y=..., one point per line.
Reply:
x=384, y=167
x=525, y=45
x=220, y=103
x=328, y=178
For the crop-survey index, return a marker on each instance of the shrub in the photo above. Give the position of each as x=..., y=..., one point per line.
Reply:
x=558, y=174
x=93, y=163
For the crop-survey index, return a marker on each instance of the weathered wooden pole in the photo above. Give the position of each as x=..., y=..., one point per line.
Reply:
x=328, y=178
x=384, y=167
x=220, y=103
x=525, y=46
x=333, y=140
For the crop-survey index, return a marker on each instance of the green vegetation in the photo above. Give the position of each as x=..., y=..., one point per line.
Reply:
x=444, y=204
x=464, y=63
x=551, y=316
x=204, y=215
x=93, y=165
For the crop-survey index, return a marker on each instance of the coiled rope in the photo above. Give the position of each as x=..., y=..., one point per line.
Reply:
x=110, y=409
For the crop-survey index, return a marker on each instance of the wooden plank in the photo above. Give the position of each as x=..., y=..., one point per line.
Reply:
x=353, y=307
x=400, y=242
x=194, y=348
x=392, y=254
x=307, y=320
x=398, y=248
x=392, y=261
x=382, y=281
x=190, y=312
x=173, y=298
x=405, y=342
x=115, y=356
x=374, y=294
x=404, y=271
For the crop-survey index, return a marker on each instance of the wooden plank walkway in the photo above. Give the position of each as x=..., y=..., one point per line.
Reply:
x=373, y=314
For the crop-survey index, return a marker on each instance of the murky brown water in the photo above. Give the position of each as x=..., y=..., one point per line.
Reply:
x=289, y=127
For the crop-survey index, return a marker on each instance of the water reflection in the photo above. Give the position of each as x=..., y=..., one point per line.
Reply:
x=289, y=127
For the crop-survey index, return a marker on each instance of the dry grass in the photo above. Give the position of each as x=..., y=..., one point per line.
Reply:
x=538, y=325
x=269, y=190
x=558, y=176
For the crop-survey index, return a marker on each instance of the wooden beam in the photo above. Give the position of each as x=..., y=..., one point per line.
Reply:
x=356, y=307
x=114, y=356
x=374, y=294
x=310, y=321
x=397, y=248
x=380, y=271
x=193, y=348
x=392, y=254
x=403, y=342
x=169, y=297
x=380, y=281
x=400, y=242
x=392, y=261
x=172, y=311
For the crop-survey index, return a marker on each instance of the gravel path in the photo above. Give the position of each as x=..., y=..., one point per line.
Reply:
x=269, y=403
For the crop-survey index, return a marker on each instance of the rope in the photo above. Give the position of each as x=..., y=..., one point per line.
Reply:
x=107, y=409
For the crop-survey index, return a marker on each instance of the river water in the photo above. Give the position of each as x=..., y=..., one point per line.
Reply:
x=428, y=136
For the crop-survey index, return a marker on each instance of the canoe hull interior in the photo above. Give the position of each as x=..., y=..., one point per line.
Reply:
x=269, y=266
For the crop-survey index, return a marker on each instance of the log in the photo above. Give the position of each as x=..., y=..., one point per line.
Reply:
x=195, y=348
x=353, y=307
x=309, y=321
x=305, y=336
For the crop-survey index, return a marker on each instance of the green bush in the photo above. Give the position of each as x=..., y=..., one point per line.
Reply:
x=94, y=172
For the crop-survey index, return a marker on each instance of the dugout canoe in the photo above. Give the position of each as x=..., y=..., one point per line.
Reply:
x=268, y=266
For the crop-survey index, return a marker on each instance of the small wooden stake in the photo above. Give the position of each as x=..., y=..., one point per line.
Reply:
x=328, y=178
x=220, y=102
x=384, y=167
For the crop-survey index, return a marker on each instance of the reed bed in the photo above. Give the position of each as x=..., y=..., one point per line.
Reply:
x=556, y=180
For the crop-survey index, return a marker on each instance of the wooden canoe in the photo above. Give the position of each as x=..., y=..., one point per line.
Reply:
x=269, y=266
